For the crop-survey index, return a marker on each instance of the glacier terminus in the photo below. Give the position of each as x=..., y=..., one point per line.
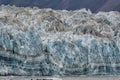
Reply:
x=46, y=42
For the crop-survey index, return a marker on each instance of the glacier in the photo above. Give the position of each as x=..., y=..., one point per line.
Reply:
x=46, y=42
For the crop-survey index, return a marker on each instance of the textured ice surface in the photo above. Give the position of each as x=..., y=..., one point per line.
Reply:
x=45, y=42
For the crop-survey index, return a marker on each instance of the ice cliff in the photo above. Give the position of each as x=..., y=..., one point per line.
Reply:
x=46, y=42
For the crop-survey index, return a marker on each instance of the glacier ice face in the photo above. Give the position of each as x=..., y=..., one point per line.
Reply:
x=46, y=42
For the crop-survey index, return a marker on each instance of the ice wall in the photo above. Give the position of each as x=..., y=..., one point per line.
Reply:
x=46, y=42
